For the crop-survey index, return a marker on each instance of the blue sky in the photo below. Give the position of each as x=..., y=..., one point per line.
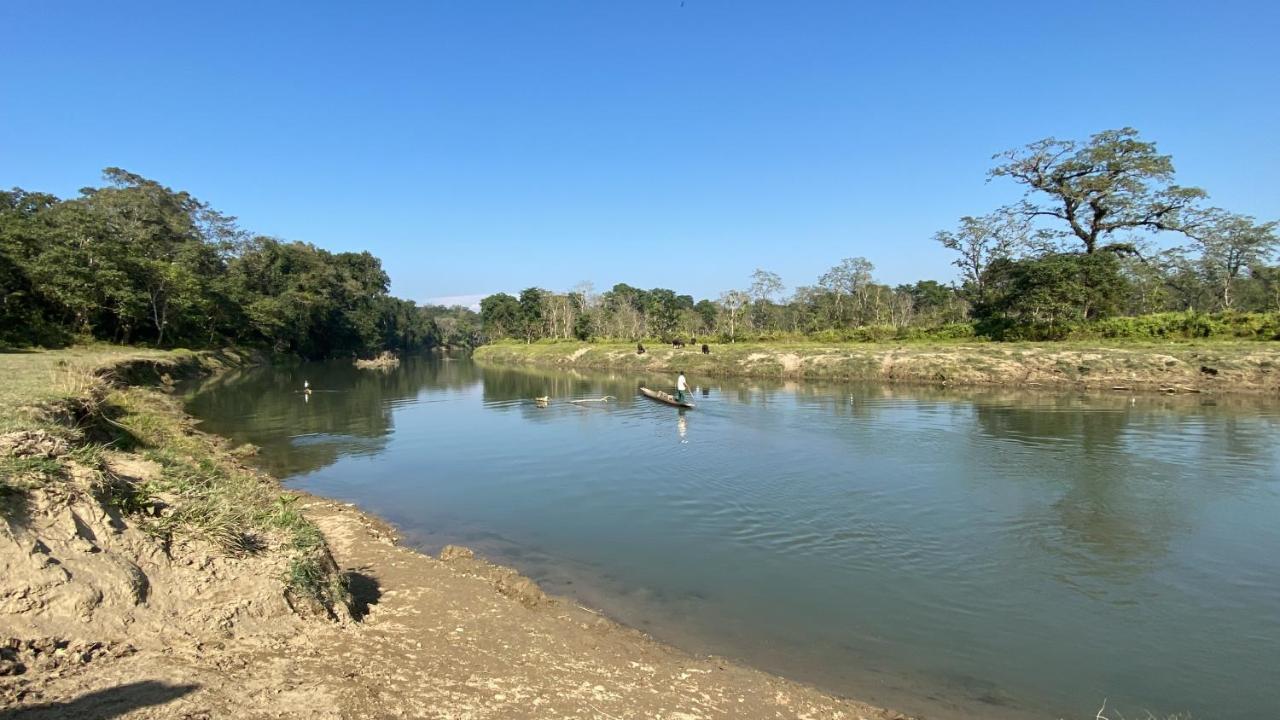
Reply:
x=485, y=146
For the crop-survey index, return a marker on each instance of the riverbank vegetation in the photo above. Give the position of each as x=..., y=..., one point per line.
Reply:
x=135, y=262
x=1104, y=245
x=76, y=425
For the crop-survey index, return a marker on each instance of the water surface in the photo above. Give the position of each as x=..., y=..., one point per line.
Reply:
x=948, y=553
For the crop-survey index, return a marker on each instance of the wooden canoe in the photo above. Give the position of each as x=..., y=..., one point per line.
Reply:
x=664, y=397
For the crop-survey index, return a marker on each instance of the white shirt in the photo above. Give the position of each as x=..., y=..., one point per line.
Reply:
x=681, y=385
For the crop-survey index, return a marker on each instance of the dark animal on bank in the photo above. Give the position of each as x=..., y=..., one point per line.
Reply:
x=677, y=343
x=639, y=349
x=1212, y=372
x=705, y=350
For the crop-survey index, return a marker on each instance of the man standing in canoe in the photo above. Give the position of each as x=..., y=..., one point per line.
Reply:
x=682, y=387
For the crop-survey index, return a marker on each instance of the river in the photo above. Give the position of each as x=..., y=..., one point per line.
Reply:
x=948, y=553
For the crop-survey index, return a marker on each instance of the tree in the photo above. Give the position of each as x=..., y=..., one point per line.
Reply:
x=733, y=302
x=662, y=310
x=847, y=286
x=1041, y=297
x=1114, y=182
x=531, y=317
x=1230, y=244
x=933, y=300
x=980, y=240
x=500, y=315
x=765, y=286
x=706, y=311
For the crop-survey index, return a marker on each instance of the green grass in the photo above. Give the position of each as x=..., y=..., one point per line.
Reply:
x=34, y=378
x=201, y=490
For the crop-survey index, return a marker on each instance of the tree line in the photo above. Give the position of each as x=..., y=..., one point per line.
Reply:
x=1103, y=241
x=136, y=262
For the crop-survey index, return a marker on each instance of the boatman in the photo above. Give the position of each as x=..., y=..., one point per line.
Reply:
x=682, y=387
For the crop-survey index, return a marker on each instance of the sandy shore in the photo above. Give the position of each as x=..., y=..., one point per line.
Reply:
x=101, y=617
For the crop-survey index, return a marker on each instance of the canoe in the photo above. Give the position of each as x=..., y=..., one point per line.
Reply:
x=664, y=397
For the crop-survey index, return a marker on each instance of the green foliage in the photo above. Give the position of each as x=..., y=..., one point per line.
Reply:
x=1114, y=182
x=1042, y=298
x=1184, y=326
x=137, y=262
x=501, y=316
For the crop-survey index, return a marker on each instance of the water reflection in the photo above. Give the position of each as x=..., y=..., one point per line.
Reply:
x=348, y=411
x=851, y=535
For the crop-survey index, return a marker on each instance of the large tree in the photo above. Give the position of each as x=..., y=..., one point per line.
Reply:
x=1113, y=183
x=500, y=315
x=1041, y=297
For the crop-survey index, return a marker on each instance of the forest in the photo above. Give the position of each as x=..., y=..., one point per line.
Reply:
x=134, y=262
x=1103, y=244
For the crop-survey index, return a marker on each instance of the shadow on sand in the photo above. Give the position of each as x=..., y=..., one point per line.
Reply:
x=365, y=591
x=103, y=704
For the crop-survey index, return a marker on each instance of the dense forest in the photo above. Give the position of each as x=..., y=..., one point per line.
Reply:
x=1103, y=243
x=137, y=262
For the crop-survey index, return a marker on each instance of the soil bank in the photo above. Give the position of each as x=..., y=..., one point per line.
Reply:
x=1208, y=367
x=103, y=616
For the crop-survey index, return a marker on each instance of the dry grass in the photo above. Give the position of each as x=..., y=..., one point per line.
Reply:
x=385, y=361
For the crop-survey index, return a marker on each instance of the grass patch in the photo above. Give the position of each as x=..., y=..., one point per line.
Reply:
x=195, y=489
x=205, y=493
x=35, y=379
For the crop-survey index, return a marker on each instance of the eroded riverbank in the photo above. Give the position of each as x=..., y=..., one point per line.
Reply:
x=1209, y=367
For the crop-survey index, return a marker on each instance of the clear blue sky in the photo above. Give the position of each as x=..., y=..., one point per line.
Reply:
x=484, y=146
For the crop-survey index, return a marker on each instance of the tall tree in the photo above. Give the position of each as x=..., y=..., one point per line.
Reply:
x=500, y=315
x=733, y=302
x=1114, y=182
x=980, y=240
x=846, y=286
x=1230, y=244
x=531, y=315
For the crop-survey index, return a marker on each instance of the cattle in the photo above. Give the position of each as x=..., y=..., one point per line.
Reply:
x=677, y=343
x=706, y=350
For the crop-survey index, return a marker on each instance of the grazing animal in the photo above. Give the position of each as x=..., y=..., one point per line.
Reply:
x=677, y=343
x=1212, y=372
x=705, y=349
x=639, y=349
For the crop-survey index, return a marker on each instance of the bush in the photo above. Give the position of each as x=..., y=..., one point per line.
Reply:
x=949, y=331
x=1183, y=326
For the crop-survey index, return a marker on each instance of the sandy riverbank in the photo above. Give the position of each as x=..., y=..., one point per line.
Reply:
x=116, y=601
x=1208, y=367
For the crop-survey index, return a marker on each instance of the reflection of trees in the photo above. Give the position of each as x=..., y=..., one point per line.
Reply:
x=350, y=411
x=1112, y=519
x=506, y=386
